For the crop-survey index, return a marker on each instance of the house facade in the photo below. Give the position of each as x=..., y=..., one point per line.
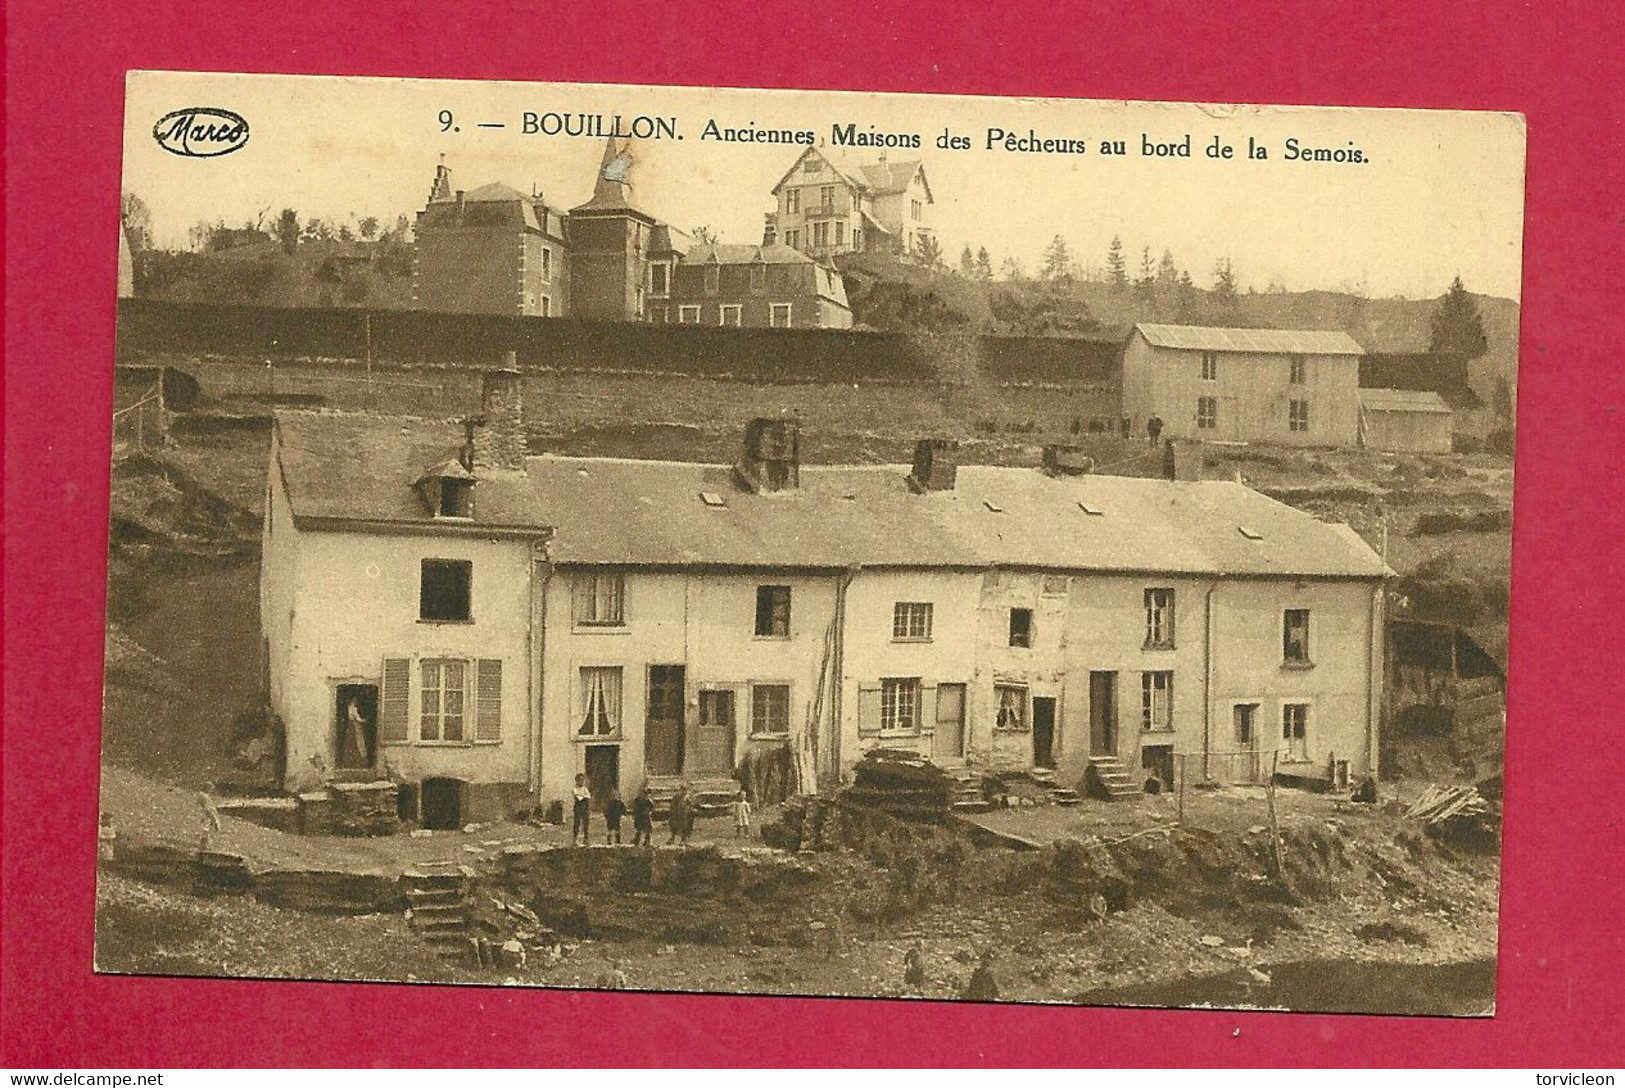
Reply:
x=765, y=286
x=484, y=634
x=494, y=250
x=1286, y=387
x=828, y=204
x=1405, y=421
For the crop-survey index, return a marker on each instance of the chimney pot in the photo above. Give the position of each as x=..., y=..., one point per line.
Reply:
x=936, y=465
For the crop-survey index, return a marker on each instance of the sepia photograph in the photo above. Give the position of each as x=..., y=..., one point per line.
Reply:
x=904, y=546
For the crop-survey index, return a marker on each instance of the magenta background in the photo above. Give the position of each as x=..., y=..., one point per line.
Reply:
x=1563, y=920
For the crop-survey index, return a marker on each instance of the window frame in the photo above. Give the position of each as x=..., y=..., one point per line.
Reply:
x=1305, y=657
x=1295, y=736
x=662, y=269
x=1297, y=370
x=1025, y=722
x=580, y=593
x=464, y=690
x=584, y=704
x=768, y=596
x=902, y=626
x=893, y=705
x=1159, y=618
x=683, y=312
x=1026, y=632
x=466, y=569
x=758, y=278
x=738, y=311
x=1210, y=366
x=1149, y=687
x=711, y=279
x=1207, y=413
x=788, y=308
x=775, y=686
x=1297, y=419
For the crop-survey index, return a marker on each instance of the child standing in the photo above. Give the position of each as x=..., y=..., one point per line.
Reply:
x=741, y=807
x=643, y=818
x=582, y=811
x=614, y=809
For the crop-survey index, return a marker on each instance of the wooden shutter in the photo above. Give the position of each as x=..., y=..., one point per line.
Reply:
x=393, y=707
x=488, y=701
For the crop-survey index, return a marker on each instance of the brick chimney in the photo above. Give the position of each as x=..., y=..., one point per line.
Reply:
x=1063, y=460
x=771, y=459
x=936, y=465
x=770, y=228
x=497, y=438
x=1182, y=459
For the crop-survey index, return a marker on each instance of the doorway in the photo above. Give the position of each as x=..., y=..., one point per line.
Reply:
x=714, y=734
x=948, y=742
x=663, y=738
x=1103, y=713
x=442, y=804
x=1044, y=731
x=603, y=768
x=1246, y=735
x=355, y=726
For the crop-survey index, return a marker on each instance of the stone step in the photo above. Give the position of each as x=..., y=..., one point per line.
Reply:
x=454, y=909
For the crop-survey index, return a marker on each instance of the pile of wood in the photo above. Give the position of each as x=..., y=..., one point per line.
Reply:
x=1459, y=812
x=903, y=783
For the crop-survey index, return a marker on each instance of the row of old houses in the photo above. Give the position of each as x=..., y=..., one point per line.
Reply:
x=493, y=249
x=481, y=625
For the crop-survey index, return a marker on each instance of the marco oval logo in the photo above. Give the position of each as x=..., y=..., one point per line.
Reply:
x=201, y=132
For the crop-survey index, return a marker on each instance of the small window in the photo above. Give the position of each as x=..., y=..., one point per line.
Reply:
x=781, y=315
x=547, y=306
x=729, y=314
x=1156, y=701
x=917, y=209
x=1295, y=636
x=1054, y=585
x=659, y=315
x=547, y=265
x=445, y=590
x=1207, y=413
x=1210, y=366
x=758, y=278
x=826, y=196
x=792, y=238
x=1295, y=731
x=1159, y=619
x=792, y=201
x=1245, y=713
x=456, y=498
x=1298, y=418
x=600, y=702
x=1011, y=700
x=840, y=232
x=443, y=703
x=769, y=709
x=713, y=279
x=900, y=705
x=1021, y=627
x=688, y=315
x=772, y=611
x=659, y=278
x=712, y=499
x=600, y=599
x=911, y=621
x=1300, y=367
x=815, y=165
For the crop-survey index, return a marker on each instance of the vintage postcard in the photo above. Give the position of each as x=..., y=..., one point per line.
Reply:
x=784, y=542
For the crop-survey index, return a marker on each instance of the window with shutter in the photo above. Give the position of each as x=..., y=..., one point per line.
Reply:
x=488, y=701
x=393, y=704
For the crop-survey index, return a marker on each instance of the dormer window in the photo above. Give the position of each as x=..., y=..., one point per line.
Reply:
x=456, y=499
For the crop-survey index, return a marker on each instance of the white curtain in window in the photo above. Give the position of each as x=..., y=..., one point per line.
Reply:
x=601, y=699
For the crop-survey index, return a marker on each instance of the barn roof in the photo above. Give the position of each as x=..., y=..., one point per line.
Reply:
x=1402, y=400
x=1261, y=341
x=355, y=468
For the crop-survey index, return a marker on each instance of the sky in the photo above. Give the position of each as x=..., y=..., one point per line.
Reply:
x=1440, y=193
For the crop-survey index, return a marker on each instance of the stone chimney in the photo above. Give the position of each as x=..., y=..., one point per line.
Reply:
x=771, y=459
x=1063, y=460
x=770, y=228
x=1182, y=459
x=497, y=438
x=936, y=465
x=461, y=203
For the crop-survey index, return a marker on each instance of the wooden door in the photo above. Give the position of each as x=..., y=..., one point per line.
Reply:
x=948, y=742
x=663, y=725
x=714, y=734
x=1103, y=713
x=1043, y=731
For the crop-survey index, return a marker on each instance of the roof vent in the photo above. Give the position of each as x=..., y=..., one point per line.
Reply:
x=1092, y=511
x=1250, y=534
x=993, y=507
x=711, y=498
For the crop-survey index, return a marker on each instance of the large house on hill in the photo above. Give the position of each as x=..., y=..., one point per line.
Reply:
x=828, y=204
x=481, y=625
x=495, y=250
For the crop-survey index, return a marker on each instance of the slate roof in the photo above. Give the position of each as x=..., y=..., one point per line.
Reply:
x=359, y=467
x=1263, y=341
x=729, y=253
x=1402, y=400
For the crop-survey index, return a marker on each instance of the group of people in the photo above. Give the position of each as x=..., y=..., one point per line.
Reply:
x=679, y=820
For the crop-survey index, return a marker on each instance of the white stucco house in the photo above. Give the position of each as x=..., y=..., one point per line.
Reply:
x=481, y=625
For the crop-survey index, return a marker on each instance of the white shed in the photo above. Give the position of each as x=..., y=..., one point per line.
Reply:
x=1404, y=421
